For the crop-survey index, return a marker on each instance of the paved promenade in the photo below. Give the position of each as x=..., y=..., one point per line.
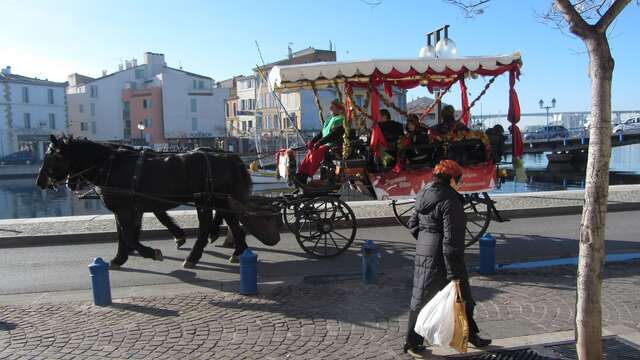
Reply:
x=320, y=318
x=370, y=212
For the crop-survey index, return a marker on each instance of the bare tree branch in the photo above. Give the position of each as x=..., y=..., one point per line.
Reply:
x=576, y=22
x=372, y=3
x=471, y=8
x=614, y=10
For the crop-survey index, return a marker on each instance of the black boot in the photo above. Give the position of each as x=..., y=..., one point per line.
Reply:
x=415, y=351
x=479, y=342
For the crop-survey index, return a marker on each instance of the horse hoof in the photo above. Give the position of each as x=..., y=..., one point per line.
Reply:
x=188, y=264
x=179, y=242
x=157, y=255
x=233, y=259
x=114, y=266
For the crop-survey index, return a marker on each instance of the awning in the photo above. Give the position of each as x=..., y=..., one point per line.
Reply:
x=290, y=76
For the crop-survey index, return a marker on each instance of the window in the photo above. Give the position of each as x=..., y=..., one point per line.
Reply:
x=139, y=73
x=93, y=91
x=194, y=84
x=93, y=128
x=52, y=121
x=92, y=109
x=194, y=105
x=27, y=121
x=25, y=94
x=81, y=108
x=250, y=124
x=259, y=101
x=268, y=122
x=147, y=122
x=84, y=126
x=235, y=109
x=226, y=109
x=276, y=121
x=360, y=100
x=146, y=103
x=200, y=84
x=194, y=124
x=50, y=96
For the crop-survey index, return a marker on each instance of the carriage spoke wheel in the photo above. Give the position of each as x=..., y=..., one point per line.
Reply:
x=289, y=214
x=476, y=208
x=326, y=226
x=478, y=212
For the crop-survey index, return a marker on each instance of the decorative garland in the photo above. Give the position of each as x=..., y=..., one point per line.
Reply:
x=484, y=91
x=389, y=104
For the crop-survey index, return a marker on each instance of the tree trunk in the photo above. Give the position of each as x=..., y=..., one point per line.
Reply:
x=588, y=320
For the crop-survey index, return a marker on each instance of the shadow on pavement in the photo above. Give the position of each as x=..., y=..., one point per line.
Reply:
x=153, y=311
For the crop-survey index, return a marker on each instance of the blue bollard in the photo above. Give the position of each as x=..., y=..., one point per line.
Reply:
x=370, y=262
x=487, y=254
x=100, y=285
x=564, y=142
x=248, y=272
x=582, y=140
x=621, y=136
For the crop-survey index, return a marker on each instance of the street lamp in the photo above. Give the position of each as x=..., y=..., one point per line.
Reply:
x=542, y=106
x=141, y=127
x=444, y=48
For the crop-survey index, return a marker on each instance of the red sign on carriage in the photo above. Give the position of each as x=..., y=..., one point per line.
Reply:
x=408, y=183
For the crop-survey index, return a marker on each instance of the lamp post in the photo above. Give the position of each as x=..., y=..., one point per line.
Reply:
x=542, y=106
x=444, y=48
x=141, y=127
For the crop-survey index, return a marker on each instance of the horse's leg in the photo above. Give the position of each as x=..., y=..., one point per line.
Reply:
x=215, y=227
x=175, y=230
x=205, y=220
x=131, y=221
x=123, y=249
x=239, y=237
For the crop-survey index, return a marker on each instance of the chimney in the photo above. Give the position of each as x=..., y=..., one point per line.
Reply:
x=7, y=70
x=127, y=64
x=104, y=72
x=134, y=62
x=120, y=67
x=290, y=52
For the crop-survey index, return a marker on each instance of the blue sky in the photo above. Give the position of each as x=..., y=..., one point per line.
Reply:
x=216, y=38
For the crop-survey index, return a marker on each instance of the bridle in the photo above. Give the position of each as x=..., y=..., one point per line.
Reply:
x=52, y=183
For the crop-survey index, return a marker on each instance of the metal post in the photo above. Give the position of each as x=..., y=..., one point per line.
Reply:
x=547, y=123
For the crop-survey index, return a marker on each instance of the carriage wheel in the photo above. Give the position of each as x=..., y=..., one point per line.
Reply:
x=476, y=209
x=402, y=210
x=289, y=216
x=326, y=226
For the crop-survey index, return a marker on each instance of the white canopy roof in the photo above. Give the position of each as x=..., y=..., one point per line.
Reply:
x=280, y=75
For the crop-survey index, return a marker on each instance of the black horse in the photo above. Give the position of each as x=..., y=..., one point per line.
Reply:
x=131, y=183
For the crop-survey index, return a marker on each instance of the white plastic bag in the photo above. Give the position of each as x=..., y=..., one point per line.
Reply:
x=436, y=319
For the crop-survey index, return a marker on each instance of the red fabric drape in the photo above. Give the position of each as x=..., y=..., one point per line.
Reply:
x=388, y=90
x=312, y=160
x=465, y=102
x=514, y=115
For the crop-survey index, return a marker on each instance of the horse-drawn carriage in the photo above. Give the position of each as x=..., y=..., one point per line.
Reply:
x=131, y=182
x=356, y=167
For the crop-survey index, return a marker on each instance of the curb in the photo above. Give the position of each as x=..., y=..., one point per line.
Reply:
x=111, y=236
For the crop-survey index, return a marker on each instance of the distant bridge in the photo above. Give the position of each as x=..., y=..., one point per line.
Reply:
x=574, y=147
x=617, y=114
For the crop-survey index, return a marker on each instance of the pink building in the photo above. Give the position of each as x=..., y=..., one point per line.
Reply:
x=145, y=107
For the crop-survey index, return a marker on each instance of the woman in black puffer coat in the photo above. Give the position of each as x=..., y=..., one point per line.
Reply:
x=438, y=224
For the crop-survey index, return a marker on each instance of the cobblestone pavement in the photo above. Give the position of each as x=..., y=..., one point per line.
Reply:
x=314, y=320
x=11, y=228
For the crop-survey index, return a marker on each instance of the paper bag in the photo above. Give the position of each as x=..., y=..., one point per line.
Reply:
x=461, y=325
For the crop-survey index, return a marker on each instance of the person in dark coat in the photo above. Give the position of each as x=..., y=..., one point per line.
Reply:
x=438, y=224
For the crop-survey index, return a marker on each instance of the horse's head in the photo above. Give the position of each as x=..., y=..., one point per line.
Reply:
x=55, y=167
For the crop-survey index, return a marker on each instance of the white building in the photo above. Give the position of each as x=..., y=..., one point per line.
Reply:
x=246, y=103
x=174, y=106
x=30, y=110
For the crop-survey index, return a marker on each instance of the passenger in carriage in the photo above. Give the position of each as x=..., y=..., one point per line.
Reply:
x=412, y=143
x=330, y=137
x=392, y=131
x=497, y=139
x=448, y=122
